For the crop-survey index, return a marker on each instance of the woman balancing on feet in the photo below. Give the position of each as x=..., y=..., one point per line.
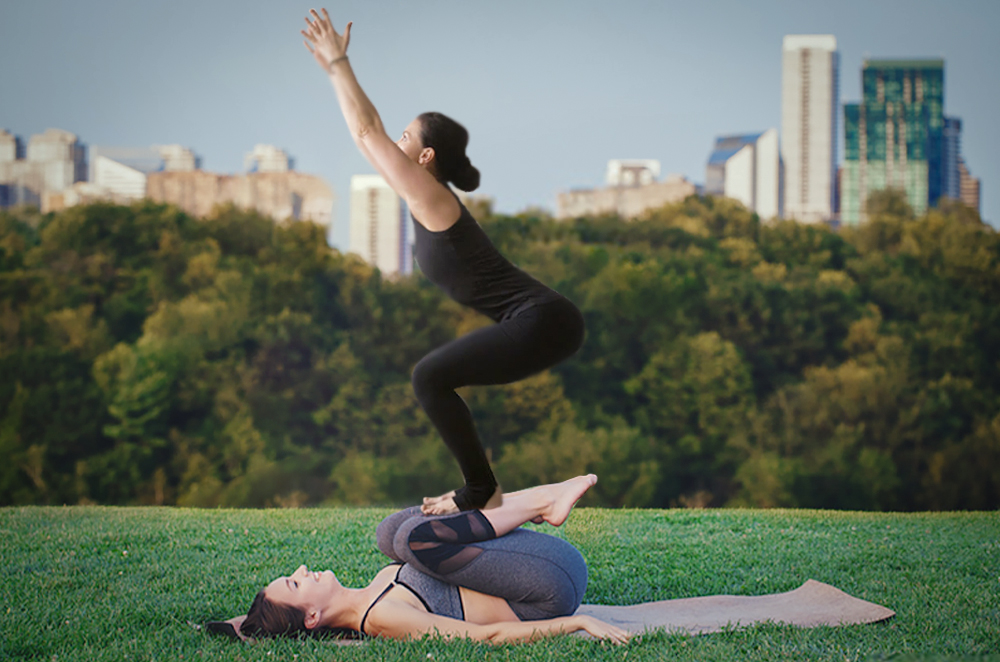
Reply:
x=472, y=574
x=535, y=328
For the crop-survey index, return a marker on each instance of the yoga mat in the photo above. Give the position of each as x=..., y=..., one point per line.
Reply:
x=810, y=605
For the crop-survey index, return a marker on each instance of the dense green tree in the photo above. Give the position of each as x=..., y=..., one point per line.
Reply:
x=150, y=357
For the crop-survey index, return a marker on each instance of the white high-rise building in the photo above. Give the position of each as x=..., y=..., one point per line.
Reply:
x=380, y=229
x=810, y=101
x=747, y=168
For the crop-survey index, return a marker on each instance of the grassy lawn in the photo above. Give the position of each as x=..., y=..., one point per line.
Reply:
x=88, y=583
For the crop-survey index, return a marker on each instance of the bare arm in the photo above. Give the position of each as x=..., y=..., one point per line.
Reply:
x=428, y=199
x=401, y=621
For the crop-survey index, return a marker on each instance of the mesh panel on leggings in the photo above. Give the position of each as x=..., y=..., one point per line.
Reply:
x=442, y=545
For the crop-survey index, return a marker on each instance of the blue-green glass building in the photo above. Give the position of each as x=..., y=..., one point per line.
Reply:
x=895, y=136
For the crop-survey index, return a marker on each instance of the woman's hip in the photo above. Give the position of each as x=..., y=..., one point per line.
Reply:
x=557, y=325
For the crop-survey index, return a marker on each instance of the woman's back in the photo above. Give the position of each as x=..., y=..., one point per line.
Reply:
x=463, y=262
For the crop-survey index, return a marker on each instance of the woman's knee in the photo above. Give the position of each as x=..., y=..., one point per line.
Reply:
x=385, y=533
x=424, y=378
x=567, y=588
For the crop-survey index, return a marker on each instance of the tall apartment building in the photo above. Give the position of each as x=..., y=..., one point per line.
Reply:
x=52, y=163
x=747, y=168
x=951, y=154
x=380, y=230
x=895, y=138
x=957, y=182
x=810, y=99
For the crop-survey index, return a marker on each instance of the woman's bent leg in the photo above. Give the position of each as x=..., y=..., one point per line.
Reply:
x=539, y=575
x=507, y=352
x=385, y=533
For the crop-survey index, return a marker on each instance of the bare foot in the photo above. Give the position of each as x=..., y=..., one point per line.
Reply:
x=564, y=496
x=430, y=500
x=445, y=504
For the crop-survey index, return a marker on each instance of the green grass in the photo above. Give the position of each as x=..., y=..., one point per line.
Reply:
x=88, y=583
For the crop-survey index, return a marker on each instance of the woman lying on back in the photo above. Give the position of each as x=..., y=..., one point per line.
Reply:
x=473, y=574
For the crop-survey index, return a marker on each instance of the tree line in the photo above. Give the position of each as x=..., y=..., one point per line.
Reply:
x=149, y=357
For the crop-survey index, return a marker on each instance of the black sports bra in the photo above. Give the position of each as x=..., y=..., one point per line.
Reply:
x=436, y=596
x=381, y=595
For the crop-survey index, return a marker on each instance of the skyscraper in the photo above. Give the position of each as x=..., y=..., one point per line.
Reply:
x=380, y=230
x=951, y=154
x=810, y=99
x=747, y=168
x=895, y=138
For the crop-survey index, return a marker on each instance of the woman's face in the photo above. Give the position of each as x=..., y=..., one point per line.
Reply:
x=412, y=145
x=304, y=589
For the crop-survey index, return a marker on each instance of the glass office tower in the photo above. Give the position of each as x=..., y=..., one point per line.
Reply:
x=895, y=136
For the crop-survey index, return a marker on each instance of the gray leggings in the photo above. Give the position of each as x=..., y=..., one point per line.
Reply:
x=540, y=576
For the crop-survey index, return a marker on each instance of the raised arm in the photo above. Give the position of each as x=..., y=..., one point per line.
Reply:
x=402, y=621
x=429, y=200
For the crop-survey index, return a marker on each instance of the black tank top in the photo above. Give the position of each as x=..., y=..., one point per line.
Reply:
x=464, y=263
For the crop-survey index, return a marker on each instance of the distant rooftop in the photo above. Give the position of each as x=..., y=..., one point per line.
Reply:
x=725, y=142
x=143, y=159
x=723, y=155
x=793, y=42
x=929, y=63
x=726, y=146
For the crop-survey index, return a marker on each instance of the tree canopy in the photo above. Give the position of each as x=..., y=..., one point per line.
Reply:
x=148, y=357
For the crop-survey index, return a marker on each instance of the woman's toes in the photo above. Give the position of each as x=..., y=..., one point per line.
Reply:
x=445, y=506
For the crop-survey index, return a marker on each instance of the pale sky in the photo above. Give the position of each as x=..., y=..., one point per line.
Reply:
x=549, y=89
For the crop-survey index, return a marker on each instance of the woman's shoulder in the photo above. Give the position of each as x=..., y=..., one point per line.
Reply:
x=441, y=213
x=397, y=605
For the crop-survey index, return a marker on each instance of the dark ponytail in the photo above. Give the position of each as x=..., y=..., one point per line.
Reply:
x=449, y=139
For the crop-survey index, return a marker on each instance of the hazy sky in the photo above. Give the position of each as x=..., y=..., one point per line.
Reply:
x=549, y=90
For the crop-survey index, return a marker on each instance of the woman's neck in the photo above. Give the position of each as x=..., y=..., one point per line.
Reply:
x=348, y=606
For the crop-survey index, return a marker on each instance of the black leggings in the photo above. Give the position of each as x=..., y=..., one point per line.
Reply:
x=540, y=576
x=517, y=347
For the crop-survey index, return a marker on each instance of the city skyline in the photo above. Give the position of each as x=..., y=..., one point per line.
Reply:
x=586, y=83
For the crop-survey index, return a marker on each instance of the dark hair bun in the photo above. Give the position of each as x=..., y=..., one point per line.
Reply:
x=467, y=177
x=449, y=139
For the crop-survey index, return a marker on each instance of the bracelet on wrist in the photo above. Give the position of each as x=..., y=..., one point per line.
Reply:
x=335, y=61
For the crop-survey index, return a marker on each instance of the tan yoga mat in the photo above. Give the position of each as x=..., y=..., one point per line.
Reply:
x=810, y=605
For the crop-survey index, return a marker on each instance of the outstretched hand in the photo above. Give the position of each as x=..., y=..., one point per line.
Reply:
x=603, y=631
x=323, y=41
